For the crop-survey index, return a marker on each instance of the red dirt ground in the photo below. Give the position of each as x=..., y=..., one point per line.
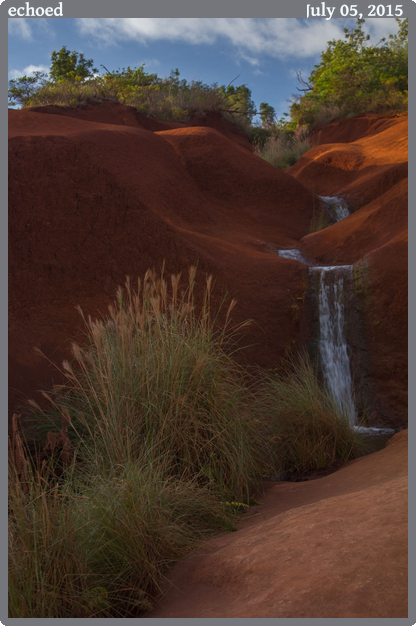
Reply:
x=334, y=547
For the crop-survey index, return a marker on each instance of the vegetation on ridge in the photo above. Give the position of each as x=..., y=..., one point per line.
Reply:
x=351, y=78
x=354, y=78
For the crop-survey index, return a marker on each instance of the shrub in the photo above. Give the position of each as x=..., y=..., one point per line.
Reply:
x=283, y=150
x=305, y=426
x=72, y=82
x=354, y=78
x=154, y=374
x=139, y=522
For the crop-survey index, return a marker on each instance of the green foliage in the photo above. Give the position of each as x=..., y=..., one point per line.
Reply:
x=305, y=427
x=162, y=441
x=238, y=100
x=267, y=115
x=70, y=65
x=283, y=149
x=73, y=81
x=99, y=547
x=353, y=77
x=22, y=90
x=155, y=375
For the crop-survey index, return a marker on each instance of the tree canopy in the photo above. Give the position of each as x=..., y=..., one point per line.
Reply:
x=354, y=77
x=66, y=64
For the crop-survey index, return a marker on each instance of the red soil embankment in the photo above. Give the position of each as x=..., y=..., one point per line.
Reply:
x=114, y=113
x=335, y=547
x=371, y=174
x=91, y=202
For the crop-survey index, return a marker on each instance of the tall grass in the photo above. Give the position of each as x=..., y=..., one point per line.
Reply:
x=161, y=445
x=99, y=547
x=306, y=428
x=283, y=150
x=155, y=375
x=159, y=441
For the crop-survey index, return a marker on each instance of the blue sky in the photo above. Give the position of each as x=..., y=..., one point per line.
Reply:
x=265, y=54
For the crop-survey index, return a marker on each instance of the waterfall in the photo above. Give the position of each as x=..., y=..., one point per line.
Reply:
x=293, y=254
x=332, y=344
x=336, y=207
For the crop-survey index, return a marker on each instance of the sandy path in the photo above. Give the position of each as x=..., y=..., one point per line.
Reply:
x=334, y=547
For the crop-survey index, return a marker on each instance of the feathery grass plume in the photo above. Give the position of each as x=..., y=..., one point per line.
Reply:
x=305, y=426
x=155, y=374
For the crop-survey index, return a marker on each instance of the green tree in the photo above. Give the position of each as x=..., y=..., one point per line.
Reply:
x=238, y=100
x=267, y=115
x=66, y=64
x=21, y=90
x=354, y=77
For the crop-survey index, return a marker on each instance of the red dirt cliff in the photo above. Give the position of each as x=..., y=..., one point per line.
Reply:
x=91, y=202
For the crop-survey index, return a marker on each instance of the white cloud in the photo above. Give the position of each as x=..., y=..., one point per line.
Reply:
x=26, y=29
x=379, y=28
x=151, y=63
x=19, y=27
x=251, y=36
x=27, y=71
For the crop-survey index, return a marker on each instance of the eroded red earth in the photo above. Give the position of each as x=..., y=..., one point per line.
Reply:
x=101, y=192
x=335, y=547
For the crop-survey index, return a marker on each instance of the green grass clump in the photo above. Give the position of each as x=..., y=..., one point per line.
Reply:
x=154, y=375
x=283, y=150
x=160, y=439
x=98, y=548
x=160, y=442
x=305, y=426
x=48, y=573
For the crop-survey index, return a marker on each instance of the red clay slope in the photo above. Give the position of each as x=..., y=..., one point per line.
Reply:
x=114, y=113
x=335, y=547
x=91, y=202
x=371, y=174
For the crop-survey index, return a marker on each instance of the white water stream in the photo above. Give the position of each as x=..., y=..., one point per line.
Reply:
x=335, y=363
x=333, y=351
x=336, y=206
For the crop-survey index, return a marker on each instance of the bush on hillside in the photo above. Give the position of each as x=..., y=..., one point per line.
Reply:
x=162, y=449
x=73, y=82
x=283, y=149
x=354, y=78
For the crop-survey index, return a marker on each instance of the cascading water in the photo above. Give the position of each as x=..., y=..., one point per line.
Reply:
x=336, y=207
x=332, y=342
x=335, y=363
x=293, y=254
